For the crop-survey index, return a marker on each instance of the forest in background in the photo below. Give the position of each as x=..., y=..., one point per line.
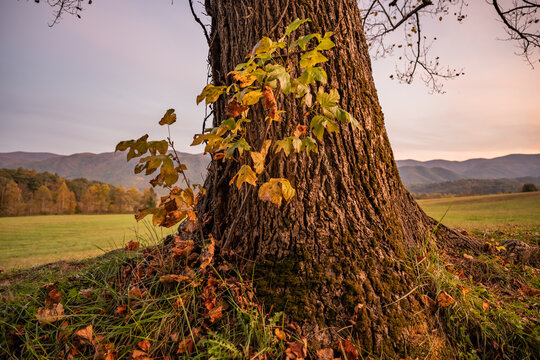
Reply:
x=28, y=192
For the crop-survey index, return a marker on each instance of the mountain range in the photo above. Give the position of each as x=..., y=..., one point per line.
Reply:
x=418, y=176
x=110, y=168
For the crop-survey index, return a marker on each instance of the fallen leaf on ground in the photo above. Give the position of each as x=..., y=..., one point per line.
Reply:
x=140, y=355
x=429, y=302
x=296, y=350
x=86, y=333
x=208, y=253
x=46, y=316
x=144, y=345
x=186, y=346
x=135, y=292
x=87, y=293
x=349, y=349
x=486, y=306
x=280, y=334
x=325, y=354
x=131, y=246
x=445, y=300
x=173, y=278
x=55, y=296
x=215, y=314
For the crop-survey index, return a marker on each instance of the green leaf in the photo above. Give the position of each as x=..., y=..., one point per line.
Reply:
x=309, y=144
x=280, y=73
x=123, y=145
x=328, y=102
x=295, y=25
x=318, y=123
x=169, y=172
x=252, y=97
x=285, y=145
x=263, y=46
x=229, y=124
x=241, y=145
x=312, y=58
x=169, y=118
x=304, y=40
x=313, y=74
x=245, y=174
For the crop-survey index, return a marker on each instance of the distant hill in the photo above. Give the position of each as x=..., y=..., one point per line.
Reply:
x=509, y=166
x=18, y=159
x=442, y=176
x=425, y=175
x=110, y=168
x=474, y=186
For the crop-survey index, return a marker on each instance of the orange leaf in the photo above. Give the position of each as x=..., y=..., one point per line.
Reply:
x=486, y=306
x=445, y=300
x=135, y=292
x=215, y=314
x=172, y=278
x=300, y=129
x=325, y=354
x=131, y=246
x=55, y=296
x=186, y=346
x=234, y=109
x=296, y=350
x=86, y=333
x=144, y=345
x=121, y=309
x=280, y=334
x=140, y=355
x=429, y=302
x=349, y=349
x=208, y=253
x=269, y=102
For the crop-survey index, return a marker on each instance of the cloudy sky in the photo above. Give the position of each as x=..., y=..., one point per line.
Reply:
x=84, y=85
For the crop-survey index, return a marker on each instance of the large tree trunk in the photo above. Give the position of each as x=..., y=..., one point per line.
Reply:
x=338, y=253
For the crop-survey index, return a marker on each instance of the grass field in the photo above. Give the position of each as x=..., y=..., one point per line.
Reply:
x=502, y=216
x=34, y=240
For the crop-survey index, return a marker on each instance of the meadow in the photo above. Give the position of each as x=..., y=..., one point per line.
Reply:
x=502, y=216
x=35, y=240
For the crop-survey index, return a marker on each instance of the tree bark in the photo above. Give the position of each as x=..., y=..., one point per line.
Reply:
x=337, y=255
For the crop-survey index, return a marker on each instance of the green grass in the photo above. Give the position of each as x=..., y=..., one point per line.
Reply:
x=502, y=216
x=35, y=240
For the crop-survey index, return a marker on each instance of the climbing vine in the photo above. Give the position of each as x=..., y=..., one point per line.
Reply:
x=267, y=73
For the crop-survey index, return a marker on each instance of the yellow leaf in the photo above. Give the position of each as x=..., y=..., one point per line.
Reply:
x=287, y=190
x=259, y=157
x=245, y=174
x=270, y=191
x=275, y=190
x=252, y=97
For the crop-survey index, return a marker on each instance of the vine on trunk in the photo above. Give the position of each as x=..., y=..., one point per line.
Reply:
x=267, y=73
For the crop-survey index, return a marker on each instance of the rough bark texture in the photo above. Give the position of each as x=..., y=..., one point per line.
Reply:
x=337, y=254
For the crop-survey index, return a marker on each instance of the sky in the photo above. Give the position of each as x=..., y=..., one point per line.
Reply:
x=84, y=85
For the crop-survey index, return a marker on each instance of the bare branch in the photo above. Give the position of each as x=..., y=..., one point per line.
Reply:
x=522, y=25
x=198, y=20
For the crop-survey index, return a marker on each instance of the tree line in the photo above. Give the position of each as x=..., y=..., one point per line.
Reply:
x=28, y=192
